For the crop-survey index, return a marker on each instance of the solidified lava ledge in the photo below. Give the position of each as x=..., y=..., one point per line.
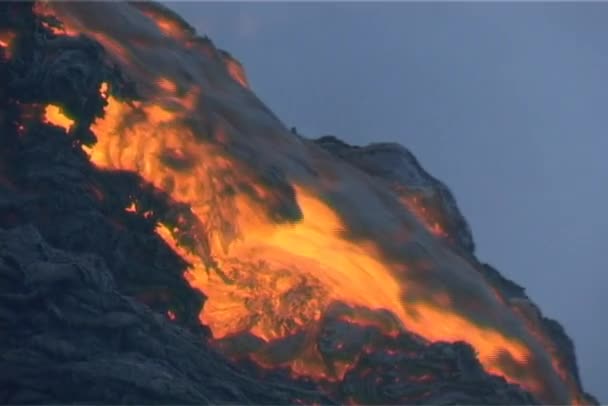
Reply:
x=165, y=239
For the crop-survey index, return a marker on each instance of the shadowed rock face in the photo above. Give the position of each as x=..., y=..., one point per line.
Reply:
x=85, y=286
x=69, y=336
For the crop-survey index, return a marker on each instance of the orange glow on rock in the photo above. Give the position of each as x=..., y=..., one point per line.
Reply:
x=164, y=21
x=167, y=85
x=207, y=145
x=54, y=115
x=414, y=204
x=314, y=252
x=131, y=208
x=236, y=71
x=6, y=42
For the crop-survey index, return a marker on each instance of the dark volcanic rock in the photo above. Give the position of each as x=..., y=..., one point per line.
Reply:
x=387, y=369
x=70, y=337
x=396, y=165
x=85, y=285
x=49, y=181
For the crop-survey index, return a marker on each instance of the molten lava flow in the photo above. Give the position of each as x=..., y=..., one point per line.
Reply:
x=213, y=147
x=288, y=264
x=53, y=114
x=531, y=317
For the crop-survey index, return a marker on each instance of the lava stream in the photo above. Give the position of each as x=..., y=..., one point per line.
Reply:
x=278, y=213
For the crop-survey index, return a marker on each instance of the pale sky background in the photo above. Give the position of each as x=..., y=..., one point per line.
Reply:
x=504, y=102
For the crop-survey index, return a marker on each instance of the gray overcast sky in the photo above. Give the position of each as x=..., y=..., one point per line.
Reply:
x=505, y=102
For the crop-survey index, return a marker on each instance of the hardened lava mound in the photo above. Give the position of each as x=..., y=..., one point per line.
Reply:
x=165, y=239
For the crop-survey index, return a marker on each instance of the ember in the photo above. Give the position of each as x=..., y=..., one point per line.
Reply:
x=424, y=214
x=55, y=116
x=6, y=40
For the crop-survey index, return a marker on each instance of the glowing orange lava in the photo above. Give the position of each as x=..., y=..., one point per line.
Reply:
x=208, y=146
x=54, y=115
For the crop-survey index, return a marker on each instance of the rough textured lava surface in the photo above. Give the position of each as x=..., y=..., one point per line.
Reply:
x=165, y=239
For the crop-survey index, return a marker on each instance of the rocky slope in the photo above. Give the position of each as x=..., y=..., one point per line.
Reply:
x=71, y=337
x=94, y=306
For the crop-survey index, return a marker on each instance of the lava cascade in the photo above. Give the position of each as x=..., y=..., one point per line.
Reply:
x=286, y=231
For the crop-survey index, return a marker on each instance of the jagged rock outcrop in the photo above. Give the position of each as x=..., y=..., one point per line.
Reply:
x=396, y=165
